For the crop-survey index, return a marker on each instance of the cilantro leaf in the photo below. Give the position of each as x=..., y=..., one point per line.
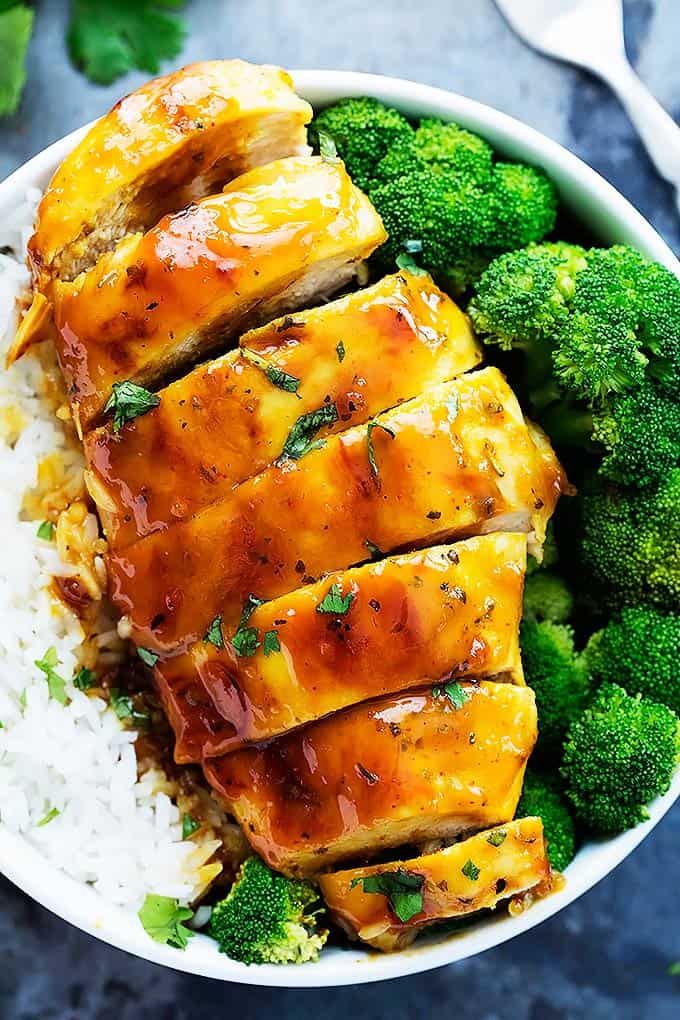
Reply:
x=456, y=694
x=129, y=401
x=214, y=633
x=55, y=683
x=406, y=261
x=276, y=376
x=335, y=602
x=46, y=531
x=148, y=657
x=49, y=817
x=189, y=826
x=84, y=679
x=403, y=889
x=162, y=918
x=271, y=642
x=340, y=351
x=497, y=838
x=327, y=148
x=108, y=38
x=301, y=437
x=246, y=641
x=375, y=551
x=470, y=870
x=123, y=706
x=16, y=23
x=373, y=464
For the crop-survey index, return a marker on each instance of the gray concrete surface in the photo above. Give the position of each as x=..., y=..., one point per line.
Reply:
x=606, y=956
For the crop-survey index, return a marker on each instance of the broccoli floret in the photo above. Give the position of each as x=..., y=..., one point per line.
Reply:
x=523, y=206
x=451, y=150
x=639, y=651
x=640, y=434
x=265, y=918
x=558, y=678
x=547, y=597
x=541, y=797
x=363, y=131
x=619, y=755
x=595, y=357
x=628, y=543
x=659, y=324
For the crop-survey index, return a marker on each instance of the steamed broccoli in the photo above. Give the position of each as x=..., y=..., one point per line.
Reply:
x=558, y=678
x=628, y=543
x=600, y=331
x=639, y=651
x=547, y=597
x=619, y=755
x=541, y=797
x=438, y=185
x=265, y=918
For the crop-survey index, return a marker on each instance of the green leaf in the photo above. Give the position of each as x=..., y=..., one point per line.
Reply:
x=123, y=706
x=148, y=657
x=335, y=602
x=373, y=464
x=49, y=817
x=246, y=641
x=84, y=679
x=16, y=24
x=406, y=261
x=271, y=642
x=276, y=376
x=456, y=694
x=46, y=531
x=340, y=351
x=214, y=633
x=470, y=870
x=403, y=889
x=497, y=838
x=375, y=551
x=108, y=38
x=55, y=683
x=129, y=401
x=162, y=918
x=327, y=148
x=189, y=826
x=301, y=437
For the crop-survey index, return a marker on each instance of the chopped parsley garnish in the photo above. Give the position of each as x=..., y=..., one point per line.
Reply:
x=407, y=261
x=403, y=889
x=189, y=826
x=46, y=531
x=470, y=870
x=148, y=657
x=49, y=817
x=327, y=148
x=335, y=602
x=340, y=351
x=162, y=918
x=301, y=437
x=123, y=706
x=271, y=642
x=375, y=551
x=246, y=640
x=276, y=376
x=456, y=694
x=214, y=633
x=129, y=401
x=84, y=679
x=497, y=838
x=55, y=683
x=373, y=464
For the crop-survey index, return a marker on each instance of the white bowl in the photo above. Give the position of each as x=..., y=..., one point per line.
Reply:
x=611, y=219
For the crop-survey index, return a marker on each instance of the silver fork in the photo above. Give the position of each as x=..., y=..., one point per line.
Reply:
x=589, y=33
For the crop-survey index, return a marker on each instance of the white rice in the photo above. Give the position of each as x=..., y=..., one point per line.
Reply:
x=113, y=831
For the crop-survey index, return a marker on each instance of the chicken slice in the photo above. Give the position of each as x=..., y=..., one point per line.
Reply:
x=429, y=616
x=174, y=140
x=275, y=238
x=474, y=874
x=456, y=461
x=390, y=772
x=228, y=419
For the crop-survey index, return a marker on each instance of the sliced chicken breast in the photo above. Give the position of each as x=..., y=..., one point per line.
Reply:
x=395, y=771
x=476, y=874
x=228, y=419
x=430, y=616
x=174, y=140
x=277, y=237
x=456, y=461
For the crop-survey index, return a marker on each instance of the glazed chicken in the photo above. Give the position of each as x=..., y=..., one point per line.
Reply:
x=175, y=140
x=276, y=237
x=474, y=874
x=229, y=418
x=458, y=460
x=403, y=769
x=451, y=611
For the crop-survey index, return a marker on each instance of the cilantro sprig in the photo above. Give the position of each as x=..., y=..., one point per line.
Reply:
x=403, y=889
x=56, y=684
x=162, y=919
x=276, y=376
x=302, y=437
x=128, y=401
x=335, y=602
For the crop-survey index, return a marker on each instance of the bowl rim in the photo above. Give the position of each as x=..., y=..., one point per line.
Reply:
x=69, y=899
